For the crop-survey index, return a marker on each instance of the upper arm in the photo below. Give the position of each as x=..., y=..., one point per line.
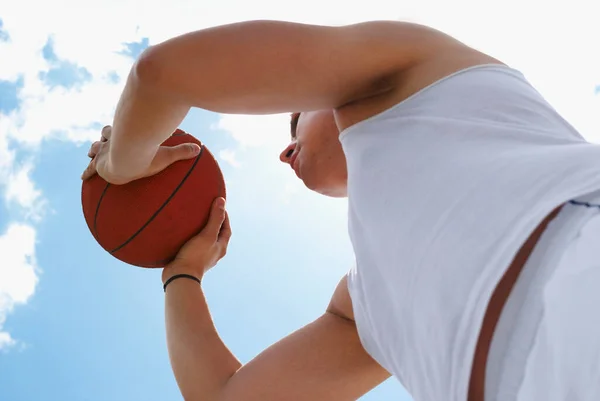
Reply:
x=322, y=361
x=264, y=67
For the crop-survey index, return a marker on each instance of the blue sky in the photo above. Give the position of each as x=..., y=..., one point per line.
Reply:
x=76, y=324
x=62, y=73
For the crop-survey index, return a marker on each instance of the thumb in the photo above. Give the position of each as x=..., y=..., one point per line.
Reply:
x=168, y=155
x=183, y=151
x=216, y=218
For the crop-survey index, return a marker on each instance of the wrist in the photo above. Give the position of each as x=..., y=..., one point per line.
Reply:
x=173, y=270
x=127, y=162
x=183, y=278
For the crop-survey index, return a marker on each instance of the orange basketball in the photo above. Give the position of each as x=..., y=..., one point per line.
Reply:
x=145, y=222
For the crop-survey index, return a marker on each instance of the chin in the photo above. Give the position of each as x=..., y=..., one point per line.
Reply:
x=330, y=191
x=337, y=193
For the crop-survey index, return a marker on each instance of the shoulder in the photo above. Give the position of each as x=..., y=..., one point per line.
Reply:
x=440, y=56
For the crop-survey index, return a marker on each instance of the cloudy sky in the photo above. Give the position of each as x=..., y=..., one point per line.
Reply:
x=75, y=324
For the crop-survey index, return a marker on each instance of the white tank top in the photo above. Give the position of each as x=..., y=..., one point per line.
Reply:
x=443, y=189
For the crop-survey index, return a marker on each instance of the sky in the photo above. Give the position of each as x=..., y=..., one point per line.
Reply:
x=75, y=323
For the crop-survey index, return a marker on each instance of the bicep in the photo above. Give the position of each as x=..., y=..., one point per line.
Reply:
x=322, y=361
x=263, y=67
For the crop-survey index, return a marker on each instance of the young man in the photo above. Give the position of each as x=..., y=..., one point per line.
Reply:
x=460, y=180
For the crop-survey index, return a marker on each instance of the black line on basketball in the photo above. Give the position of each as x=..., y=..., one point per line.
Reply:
x=98, y=209
x=164, y=204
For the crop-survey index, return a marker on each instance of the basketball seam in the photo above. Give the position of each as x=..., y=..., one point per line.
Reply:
x=163, y=205
x=98, y=209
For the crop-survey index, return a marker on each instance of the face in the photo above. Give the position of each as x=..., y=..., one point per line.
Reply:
x=315, y=153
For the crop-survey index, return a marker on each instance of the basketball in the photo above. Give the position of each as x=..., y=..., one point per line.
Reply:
x=145, y=222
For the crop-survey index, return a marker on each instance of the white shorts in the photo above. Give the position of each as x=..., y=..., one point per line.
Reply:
x=547, y=343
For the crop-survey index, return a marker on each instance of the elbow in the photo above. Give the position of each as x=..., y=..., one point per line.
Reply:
x=200, y=397
x=154, y=71
x=196, y=393
x=149, y=68
x=196, y=396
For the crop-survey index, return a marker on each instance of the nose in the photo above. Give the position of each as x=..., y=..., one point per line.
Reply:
x=287, y=152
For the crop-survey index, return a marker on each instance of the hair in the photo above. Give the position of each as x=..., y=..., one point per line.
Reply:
x=294, y=123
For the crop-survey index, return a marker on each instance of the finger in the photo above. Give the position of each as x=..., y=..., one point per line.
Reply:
x=183, y=151
x=106, y=132
x=215, y=220
x=94, y=149
x=89, y=171
x=168, y=155
x=225, y=232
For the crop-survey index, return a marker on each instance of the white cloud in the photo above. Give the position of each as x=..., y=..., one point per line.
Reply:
x=21, y=189
x=6, y=155
x=271, y=131
x=18, y=272
x=229, y=156
x=6, y=341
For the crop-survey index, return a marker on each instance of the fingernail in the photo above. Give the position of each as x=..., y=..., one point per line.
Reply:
x=221, y=202
x=195, y=148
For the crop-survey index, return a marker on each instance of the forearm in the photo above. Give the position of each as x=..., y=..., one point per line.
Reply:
x=201, y=362
x=145, y=117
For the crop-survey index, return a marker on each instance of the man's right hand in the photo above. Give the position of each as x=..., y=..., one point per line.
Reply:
x=158, y=159
x=203, y=251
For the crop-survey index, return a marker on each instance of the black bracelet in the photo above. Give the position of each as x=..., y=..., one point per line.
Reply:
x=196, y=279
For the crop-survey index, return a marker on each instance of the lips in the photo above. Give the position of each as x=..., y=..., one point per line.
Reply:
x=293, y=162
